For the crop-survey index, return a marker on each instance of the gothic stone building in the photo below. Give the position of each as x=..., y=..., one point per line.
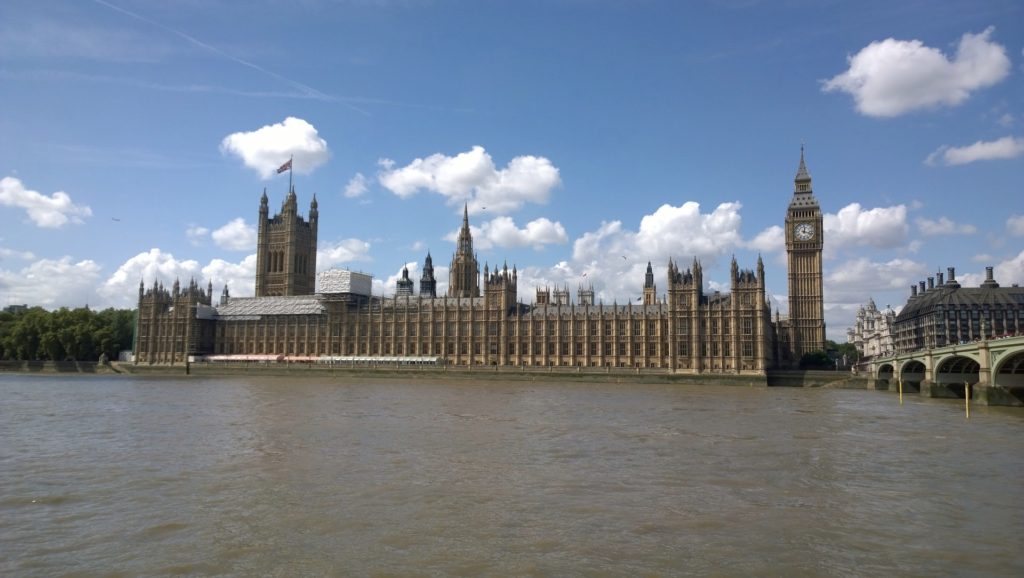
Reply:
x=480, y=321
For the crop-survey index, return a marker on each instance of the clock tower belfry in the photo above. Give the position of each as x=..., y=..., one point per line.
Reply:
x=804, y=241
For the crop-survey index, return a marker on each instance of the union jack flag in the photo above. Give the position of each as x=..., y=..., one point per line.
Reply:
x=285, y=167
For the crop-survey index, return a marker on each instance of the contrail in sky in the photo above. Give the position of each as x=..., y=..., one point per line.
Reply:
x=308, y=90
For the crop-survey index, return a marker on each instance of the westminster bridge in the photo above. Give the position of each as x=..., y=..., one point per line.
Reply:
x=991, y=369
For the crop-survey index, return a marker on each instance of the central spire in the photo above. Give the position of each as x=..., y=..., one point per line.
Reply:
x=465, y=236
x=802, y=182
x=464, y=271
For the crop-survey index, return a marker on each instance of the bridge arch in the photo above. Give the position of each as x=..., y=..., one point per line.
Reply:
x=954, y=371
x=884, y=374
x=912, y=373
x=1009, y=371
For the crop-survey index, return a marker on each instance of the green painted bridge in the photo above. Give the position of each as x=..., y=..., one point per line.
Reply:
x=992, y=368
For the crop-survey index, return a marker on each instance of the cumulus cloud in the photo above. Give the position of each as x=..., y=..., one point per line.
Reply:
x=357, y=186
x=502, y=232
x=891, y=77
x=345, y=251
x=851, y=281
x=883, y=227
x=944, y=226
x=614, y=258
x=770, y=240
x=1015, y=225
x=1007, y=147
x=52, y=283
x=267, y=148
x=1010, y=271
x=121, y=288
x=51, y=212
x=472, y=177
x=240, y=277
x=236, y=235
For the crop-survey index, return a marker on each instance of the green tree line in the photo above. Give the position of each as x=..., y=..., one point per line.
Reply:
x=79, y=334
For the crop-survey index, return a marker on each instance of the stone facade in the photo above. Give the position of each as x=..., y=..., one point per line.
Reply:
x=805, y=328
x=286, y=249
x=688, y=330
x=872, y=334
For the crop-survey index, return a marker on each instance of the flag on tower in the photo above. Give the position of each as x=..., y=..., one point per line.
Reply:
x=285, y=167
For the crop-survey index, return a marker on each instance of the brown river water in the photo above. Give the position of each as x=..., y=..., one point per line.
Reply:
x=112, y=476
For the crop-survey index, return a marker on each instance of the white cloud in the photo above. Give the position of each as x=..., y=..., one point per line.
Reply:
x=983, y=258
x=6, y=253
x=269, y=147
x=236, y=235
x=357, y=186
x=471, y=177
x=891, y=77
x=855, y=280
x=345, y=251
x=502, y=232
x=1015, y=225
x=1010, y=271
x=52, y=283
x=51, y=212
x=121, y=289
x=196, y=234
x=1007, y=147
x=943, y=226
x=239, y=277
x=770, y=240
x=1006, y=120
x=883, y=227
x=614, y=259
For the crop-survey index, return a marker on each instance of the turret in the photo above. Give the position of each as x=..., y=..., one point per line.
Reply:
x=428, y=285
x=650, y=290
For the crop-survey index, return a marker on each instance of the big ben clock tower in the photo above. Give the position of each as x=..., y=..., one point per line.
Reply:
x=803, y=248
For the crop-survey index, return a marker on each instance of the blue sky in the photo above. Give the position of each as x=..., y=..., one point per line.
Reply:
x=139, y=135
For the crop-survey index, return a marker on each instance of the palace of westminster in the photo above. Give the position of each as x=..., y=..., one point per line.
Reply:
x=480, y=321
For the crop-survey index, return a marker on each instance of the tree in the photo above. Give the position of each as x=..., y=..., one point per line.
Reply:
x=80, y=334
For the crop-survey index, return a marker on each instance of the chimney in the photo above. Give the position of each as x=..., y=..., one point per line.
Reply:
x=990, y=282
x=951, y=278
x=913, y=290
x=920, y=286
x=931, y=283
x=938, y=280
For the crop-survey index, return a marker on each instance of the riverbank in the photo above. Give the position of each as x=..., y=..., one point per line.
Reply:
x=485, y=373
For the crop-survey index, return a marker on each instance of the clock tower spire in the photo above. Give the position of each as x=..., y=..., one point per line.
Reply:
x=805, y=329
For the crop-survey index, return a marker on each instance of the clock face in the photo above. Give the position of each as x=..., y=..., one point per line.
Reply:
x=804, y=232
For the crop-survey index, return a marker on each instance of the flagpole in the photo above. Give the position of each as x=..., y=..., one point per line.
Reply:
x=291, y=159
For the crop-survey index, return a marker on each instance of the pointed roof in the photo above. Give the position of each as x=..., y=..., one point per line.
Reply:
x=801, y=173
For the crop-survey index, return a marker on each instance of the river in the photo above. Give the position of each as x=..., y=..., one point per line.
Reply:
x=164, y=476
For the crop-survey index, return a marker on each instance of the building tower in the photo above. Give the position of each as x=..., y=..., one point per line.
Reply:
x=403, y=287
x=803, y=250
x=286, y=249
x=428, y=285
x=464, y=273
x=649, y=288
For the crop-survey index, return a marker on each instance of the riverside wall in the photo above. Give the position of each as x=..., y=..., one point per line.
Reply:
x=783, y=378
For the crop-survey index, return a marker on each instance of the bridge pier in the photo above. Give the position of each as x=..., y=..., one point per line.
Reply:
x=998, y=395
